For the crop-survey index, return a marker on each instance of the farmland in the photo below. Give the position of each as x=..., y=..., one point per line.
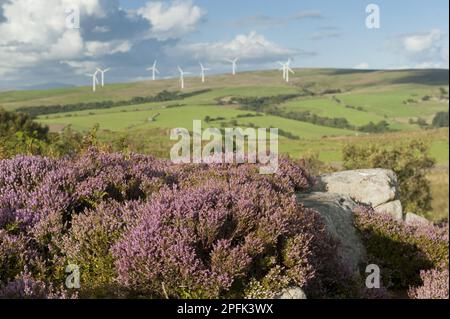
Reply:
x=348, y=99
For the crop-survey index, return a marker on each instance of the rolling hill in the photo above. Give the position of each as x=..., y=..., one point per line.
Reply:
x=360, y=97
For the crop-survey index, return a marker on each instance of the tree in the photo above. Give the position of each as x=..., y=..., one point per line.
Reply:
x=440, y=119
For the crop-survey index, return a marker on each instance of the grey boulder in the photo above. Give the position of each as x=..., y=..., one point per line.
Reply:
x=371, y=186
x=411, y=218
x=393, y=208
x=291, y=293
x=337, y=211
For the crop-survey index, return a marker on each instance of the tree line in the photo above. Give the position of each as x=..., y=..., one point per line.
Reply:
x=163, y=96
x=268, y=105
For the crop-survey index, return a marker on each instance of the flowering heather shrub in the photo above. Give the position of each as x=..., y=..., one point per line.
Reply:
x=26, y=287
x=402, y=250
x=210, y=241
x=16, y=254
x=137, y=226
x=88, y=242
x=269, y=286
x=435, y=285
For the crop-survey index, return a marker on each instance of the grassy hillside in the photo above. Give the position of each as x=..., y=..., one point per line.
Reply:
x=398, y=98
x=360, y=97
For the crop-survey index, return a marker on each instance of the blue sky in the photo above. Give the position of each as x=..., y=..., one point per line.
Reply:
x=37, y=47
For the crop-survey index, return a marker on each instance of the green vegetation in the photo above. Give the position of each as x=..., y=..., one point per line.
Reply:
x=409, y=161
x=401, y=250
x=317, y=114
x=52, y=109
x=440, y=119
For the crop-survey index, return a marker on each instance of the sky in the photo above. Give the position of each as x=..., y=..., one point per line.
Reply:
x=40, y=41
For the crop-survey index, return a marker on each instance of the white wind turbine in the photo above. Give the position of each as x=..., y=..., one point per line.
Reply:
x=182, y=74
x=94, y=80
x=103, y=74
x=154, y=70
x=286, y=67
x=203, y=72
x=234, y=63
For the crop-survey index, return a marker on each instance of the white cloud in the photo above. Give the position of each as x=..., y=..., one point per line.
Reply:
x=421, y=42
x=69, y=45
x=325, y=34
x=171, y=20
x=362, y=66
x=251, y=47
x=97, y=48
x=81, y=67
x=35, y=31
x=423, y=49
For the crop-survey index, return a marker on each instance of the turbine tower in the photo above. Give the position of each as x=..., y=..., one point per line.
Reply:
x=94, y=80
x=182, y=74
x=203, y=72
x=154, y=70
x=234, y=64
x=286, y=68
x=103, y=74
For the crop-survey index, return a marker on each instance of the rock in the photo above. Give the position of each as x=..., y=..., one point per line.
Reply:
x=291, y=293
x=338, y=212
x=370, y=186
x=393, y=208
x=411, y=218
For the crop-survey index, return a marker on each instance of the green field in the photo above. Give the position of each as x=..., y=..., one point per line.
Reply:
x=360, y=97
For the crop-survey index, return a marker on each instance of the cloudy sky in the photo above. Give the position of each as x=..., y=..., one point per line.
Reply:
x=38, y=46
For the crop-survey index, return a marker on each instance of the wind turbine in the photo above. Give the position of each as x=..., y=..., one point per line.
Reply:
x=288, y=70
x=203, y=72
x=94, y=80
x=286, y=67
x=182, y=74
x=234, y=63
x=103, y=74
x=154, y=70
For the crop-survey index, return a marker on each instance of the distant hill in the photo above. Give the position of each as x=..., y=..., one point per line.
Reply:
x=46, y=86
x=313, y=79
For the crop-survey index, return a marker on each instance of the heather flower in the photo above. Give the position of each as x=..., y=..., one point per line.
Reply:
x=24, y=286
x=435, y=285
x=401, y=250
x=87, y=245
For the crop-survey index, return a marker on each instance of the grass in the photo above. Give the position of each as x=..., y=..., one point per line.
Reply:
x=380, y=94
x=438, y=178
